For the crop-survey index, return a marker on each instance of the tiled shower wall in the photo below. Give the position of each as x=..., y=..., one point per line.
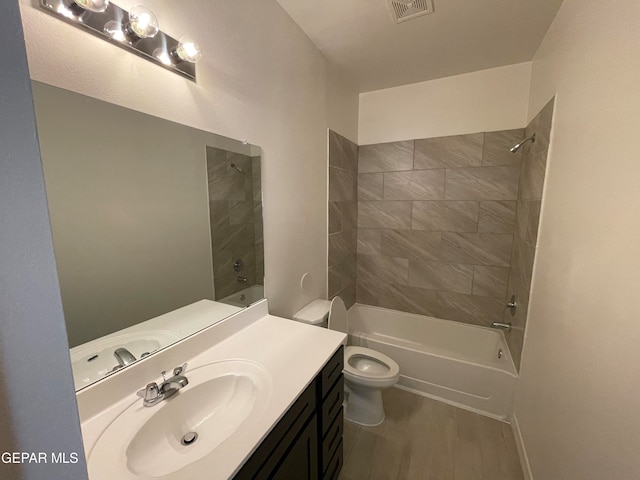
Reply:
x=435, y=225
x=343, y=185
x=444, y=226
x=532, y=174
x=235, y=208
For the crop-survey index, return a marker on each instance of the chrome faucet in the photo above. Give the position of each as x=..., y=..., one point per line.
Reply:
x=242, y=279
x=503, y=326
x=154, y=393
x=124, y=357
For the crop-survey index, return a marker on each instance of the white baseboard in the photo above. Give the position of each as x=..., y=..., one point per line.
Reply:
x=522, y=451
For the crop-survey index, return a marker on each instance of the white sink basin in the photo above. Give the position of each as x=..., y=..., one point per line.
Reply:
x=222, y=400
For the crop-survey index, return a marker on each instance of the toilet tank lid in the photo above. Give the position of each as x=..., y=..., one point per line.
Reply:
x=315, y=313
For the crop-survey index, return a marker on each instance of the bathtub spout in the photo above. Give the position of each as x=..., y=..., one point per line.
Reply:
x=503, y=326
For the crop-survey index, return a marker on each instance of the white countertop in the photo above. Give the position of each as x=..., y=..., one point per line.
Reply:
x=292, y=353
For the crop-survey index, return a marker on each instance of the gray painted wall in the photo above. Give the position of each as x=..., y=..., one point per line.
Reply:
x=37, y=399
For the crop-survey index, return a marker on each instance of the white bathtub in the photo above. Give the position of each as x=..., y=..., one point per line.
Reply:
x=449, y=361
x=245, y=297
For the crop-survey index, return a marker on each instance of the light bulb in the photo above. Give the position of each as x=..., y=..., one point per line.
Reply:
x=142, y=22
x=188, y=50
x=97, y=6
x=115, y=30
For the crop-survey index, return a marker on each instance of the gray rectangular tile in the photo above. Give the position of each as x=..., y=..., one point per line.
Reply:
x=256, y=179
x=336, y=153
x=349, y=211
x=385, y=157
x=370, y=241
x=497, y=147
x=532, y=176
x=412, y=244
x=397, y=297
x=414, y=185
x=342, y=185
x=449, y=152
x=367, y=292
x=482, y=183
x=370, y=186
x=522, y=259
x=527, y=220
x=335, y=217
x=445, y=216
x=497, y=216
x=469, y=309
x=384, y=214
x=448, y=277
x=342, y=275
x=408, y=299
x=374, y=268
x=219, y=213
x=335, y=279
x=338, y=247
x=343, y=153
x=533, y=222
x=490, y=281
x=240, y=212
x=477, y=248
x=541, y=125
x=235, y=239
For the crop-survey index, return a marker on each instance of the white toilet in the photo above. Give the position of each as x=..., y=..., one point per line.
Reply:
x=366, y=372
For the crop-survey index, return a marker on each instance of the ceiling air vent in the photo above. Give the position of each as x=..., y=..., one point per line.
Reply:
x=402, y=10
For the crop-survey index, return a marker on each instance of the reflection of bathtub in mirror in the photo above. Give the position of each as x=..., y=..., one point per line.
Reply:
x=94, y=360
x=245, y=297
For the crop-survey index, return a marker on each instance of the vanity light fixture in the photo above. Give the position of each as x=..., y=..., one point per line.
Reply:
x=136, y=30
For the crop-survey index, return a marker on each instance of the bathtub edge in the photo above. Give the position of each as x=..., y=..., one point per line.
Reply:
x=522, y=451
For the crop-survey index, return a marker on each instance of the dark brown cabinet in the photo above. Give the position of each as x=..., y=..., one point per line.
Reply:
x=307, y=442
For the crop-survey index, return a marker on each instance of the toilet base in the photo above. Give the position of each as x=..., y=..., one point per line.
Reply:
x=363, y=405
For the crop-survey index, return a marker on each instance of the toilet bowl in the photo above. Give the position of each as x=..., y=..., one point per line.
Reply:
x=366, y=371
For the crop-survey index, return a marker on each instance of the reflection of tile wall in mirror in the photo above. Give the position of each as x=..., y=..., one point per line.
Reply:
x=130, y=212
x=236, y=228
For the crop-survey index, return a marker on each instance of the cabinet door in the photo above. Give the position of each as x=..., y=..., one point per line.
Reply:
x=301, y=461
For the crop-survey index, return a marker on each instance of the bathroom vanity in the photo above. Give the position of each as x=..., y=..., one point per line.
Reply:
x=307, y=442
x=264, y=400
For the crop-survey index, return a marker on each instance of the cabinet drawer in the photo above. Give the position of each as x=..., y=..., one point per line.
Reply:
x=332, y=440
x=331, y=371
x=332, y=404
x=335, y=465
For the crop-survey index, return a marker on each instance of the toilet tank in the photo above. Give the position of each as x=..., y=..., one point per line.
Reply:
x=316, y=313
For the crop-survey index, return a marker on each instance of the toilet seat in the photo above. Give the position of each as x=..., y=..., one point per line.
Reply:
x=369, y=367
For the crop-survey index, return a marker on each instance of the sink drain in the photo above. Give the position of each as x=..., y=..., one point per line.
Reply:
x=189, y=439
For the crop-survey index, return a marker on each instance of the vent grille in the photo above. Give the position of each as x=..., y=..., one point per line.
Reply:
x=402, y=10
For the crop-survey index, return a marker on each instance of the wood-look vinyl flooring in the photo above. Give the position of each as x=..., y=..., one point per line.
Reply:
x=423, y=439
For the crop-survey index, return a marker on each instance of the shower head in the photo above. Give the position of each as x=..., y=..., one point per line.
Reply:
x=517, y=147
x=233, y=165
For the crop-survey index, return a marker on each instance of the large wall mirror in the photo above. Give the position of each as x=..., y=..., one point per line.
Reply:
x=148, y=217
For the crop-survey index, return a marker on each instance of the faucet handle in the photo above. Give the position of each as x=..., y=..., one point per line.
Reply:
x=180, y=369
x=150, y=392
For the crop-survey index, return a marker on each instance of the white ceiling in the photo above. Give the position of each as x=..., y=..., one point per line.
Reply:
x=461, y=36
